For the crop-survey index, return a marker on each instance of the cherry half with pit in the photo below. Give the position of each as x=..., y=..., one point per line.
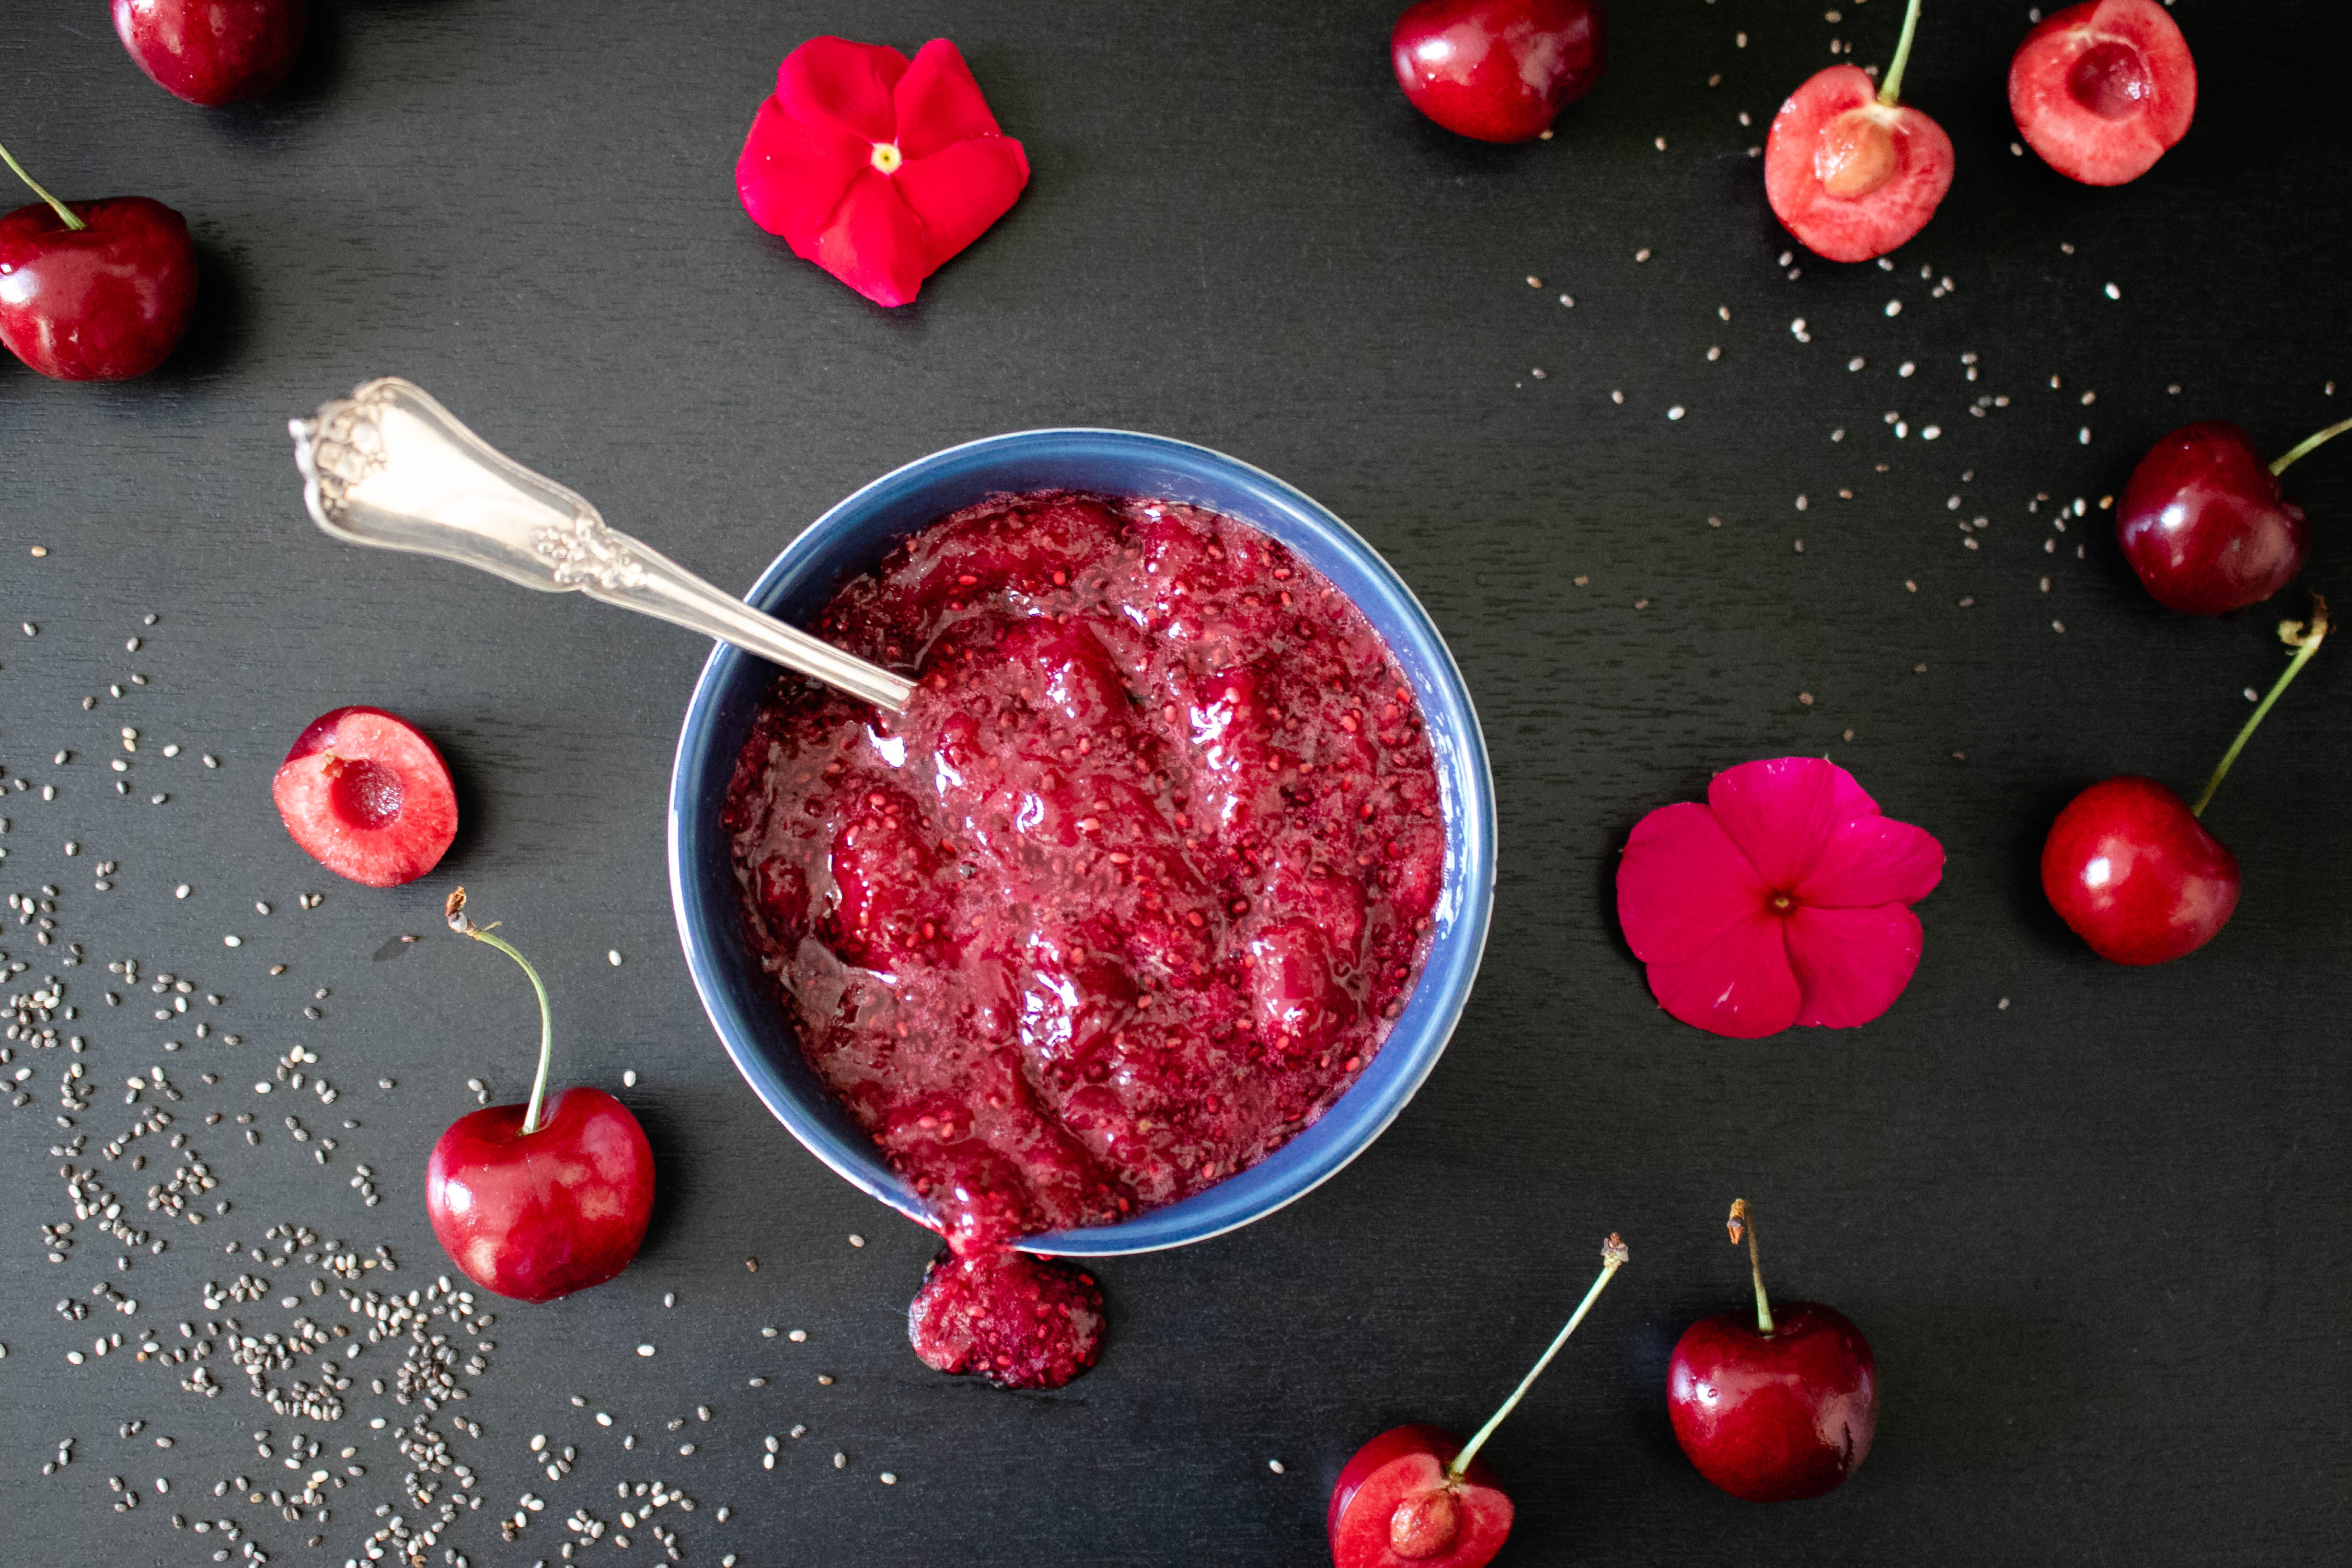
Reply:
x=1850, y=169
x=367, y=796
x=1419, y=1497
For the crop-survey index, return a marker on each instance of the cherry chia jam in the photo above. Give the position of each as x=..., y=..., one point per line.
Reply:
x=1126, y=899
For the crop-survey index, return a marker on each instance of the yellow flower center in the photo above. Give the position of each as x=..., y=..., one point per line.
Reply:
x=886, y=157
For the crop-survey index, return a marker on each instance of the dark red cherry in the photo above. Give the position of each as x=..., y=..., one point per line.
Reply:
x=2136, y=875
x=538, y=1200
x=1777, y=1416
x=1775, y=1404
x=539, y=1214
x=1497, y=70
x=103, y=302
x=2100, y=91
x=212, y=51
x=2205, y=523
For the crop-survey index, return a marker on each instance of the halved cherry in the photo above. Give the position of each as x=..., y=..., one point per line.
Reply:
x=2103, y=90
x=367, y=796
x=1850, y=170
x=1418, y=1496
x=1395, y=1504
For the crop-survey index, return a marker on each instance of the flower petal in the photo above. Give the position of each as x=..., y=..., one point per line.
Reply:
x=874, y=242
x=1740, y=984
x=962, y=189
x=837, y=85
x=938, y=102
x=1781, y=812
x=1872, y=860
x=1681, y=883
x=1851, y=963
x=791, y=176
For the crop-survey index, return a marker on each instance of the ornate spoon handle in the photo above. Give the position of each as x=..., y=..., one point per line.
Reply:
x=390, y=468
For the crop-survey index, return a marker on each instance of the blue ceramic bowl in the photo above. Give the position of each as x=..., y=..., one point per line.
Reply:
x=850, y=539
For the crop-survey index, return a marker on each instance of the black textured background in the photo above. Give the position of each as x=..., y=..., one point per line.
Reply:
x=2095, y=1236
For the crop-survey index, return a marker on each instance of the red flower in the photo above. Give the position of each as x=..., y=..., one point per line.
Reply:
x=875, y=169
x=1784, y=899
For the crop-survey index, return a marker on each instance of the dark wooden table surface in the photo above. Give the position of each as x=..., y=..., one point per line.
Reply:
x=2091, y=1218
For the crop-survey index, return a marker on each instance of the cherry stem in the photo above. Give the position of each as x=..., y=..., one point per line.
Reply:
x=464, y=927
x=1891, y=92
x=1744, y=1223
x=72, y=221
x=1613, y=1256
x=2305, y=447
x=2304, y=638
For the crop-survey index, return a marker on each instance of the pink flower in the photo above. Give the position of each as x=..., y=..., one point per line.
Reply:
x=876, y=169
x=1784, y=899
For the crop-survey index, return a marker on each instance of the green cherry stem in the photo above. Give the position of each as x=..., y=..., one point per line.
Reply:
x=464, y=927
x=74, y=222
x=1891, y=93
x=1743, y=1223
x=1613, y=1256
x=2305, y=447
x=2305, y=638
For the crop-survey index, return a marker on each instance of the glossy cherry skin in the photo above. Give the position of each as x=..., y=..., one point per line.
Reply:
x=1777, y=1417
x=1497, y=70
x=1393, y=1507
x=2103, y=90
x=101, y=304
x=2205, y=524
x=212, y=51
x=541, y=1215
x=2135, y=874
x=1851, y=177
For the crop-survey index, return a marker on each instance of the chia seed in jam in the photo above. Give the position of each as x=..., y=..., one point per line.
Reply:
x=1130, y=893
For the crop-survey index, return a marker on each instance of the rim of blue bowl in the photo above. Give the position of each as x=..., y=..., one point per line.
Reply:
x=766, y=1054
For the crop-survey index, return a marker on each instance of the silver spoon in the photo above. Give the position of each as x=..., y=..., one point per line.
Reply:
x=390, y=469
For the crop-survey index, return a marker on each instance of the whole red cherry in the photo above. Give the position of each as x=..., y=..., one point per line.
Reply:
x=536, y=1205
x=1851, y=170
x=213, y=52
x=96, y=290
x=2103, y=90
x=1418, y=1496
x=2130, y=867
x=1497, y=70
x=1778, y=1407
x=2205, y=524
x=2133, y=872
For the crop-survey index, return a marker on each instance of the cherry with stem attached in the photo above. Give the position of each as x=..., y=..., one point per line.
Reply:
x=536, y=1207
x=2132, y=868
x=1849, y=168
x=93, y=290
x=1420, y=1496
x=2205, y=523
x=1780, y=1410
